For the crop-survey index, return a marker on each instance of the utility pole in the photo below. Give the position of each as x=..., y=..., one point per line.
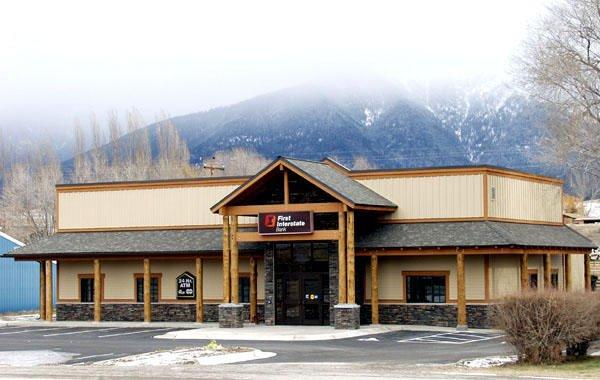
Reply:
x=212, y=166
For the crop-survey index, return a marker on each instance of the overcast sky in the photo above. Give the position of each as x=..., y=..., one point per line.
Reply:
x=64, y=59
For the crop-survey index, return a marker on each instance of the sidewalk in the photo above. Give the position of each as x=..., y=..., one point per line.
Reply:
x=250, y=332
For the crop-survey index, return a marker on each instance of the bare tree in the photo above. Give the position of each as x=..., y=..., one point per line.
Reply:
x=28, y=195
x=362, y=163
x=82, y=171
x=561, y=67
x=114, y=134
x=240, y=161
x=173, y=159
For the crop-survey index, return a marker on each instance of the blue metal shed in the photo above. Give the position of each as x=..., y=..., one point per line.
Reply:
x=19, y=280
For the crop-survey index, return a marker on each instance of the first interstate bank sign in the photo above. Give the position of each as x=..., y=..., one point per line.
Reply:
x=281, y=223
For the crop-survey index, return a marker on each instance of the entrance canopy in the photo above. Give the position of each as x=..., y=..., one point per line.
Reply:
x=313, y=182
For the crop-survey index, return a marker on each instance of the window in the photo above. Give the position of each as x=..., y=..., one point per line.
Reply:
x=554, y=279
x=533, y=279
x=86, y=289
x=139, y=288
x=426, y=288
x=244, y=289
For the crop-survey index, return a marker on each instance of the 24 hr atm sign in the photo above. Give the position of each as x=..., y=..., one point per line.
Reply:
x=281, y=223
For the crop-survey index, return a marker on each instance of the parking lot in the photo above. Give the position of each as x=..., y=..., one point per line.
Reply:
x=92, y=344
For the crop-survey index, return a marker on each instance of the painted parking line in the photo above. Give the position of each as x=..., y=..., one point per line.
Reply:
x=452, y=338
x=82, y=332
x=133, y=332
x=31, y=330
x=93, y=356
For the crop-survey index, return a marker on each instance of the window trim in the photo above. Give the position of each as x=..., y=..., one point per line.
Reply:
x=158, y=276
x=90, y=276
x=445, y=274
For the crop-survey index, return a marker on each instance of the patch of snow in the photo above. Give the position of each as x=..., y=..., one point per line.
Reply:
x=188, y=356
x=592, y=208
x=368, y=340
x=33, y=358
x=595, y=353
x=490, y=361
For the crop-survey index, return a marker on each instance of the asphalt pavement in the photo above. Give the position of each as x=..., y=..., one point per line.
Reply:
x=92, y=344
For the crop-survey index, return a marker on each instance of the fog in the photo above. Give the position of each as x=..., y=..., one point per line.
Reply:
x=62, y=60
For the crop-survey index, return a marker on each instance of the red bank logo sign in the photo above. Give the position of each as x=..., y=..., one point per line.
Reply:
x=280, y=223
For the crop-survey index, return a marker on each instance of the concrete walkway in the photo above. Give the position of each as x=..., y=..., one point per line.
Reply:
x=250, y=332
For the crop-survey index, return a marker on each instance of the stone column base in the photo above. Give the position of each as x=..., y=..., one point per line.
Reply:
x=462, y=327
x=347, y=316
x=231, y=315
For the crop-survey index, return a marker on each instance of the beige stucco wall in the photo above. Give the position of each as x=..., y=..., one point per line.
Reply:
x=119, y=283
x=524, y=199
x=138, y=208
x=391, y=281
x=451, y=196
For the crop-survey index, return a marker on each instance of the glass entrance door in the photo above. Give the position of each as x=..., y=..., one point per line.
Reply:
x=302, y=284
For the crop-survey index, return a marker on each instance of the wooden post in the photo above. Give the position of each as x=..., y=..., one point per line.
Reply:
x=568, y=266
x=286, y=187
x=547, y=271
x=48, y=290
x=97, y=291
x=253, y=284
x=524, y=273
x=350, y=257
x=199, y=291
x=342, y=257
x=587, y=272
x=226, y=253
x=374, y=291
x=461, y=297
x=235, y=295
x=42, y=290
x=147, y=295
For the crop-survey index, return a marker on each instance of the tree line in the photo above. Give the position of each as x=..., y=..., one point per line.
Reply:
x=121, y=150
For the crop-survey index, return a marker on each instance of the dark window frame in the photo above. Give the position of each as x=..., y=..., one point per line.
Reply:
x=138, y=282
x=434, y=280
x=244, y=283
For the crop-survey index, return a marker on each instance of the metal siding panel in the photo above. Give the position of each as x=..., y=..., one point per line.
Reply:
x=19, y=282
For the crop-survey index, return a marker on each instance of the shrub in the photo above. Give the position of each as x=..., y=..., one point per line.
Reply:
x=540, y=325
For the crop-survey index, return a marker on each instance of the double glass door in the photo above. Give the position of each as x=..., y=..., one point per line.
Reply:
x=302, y=284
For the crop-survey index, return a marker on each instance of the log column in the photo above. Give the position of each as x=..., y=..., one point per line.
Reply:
x=97, y=291
x=587, y=272
x=48, y=290
x=461, y=304
x=374, y=291
x=253, y=285
x=42, y=290
x=342, y=258
x=199, y=291
x=524, y=272
x=351, y=298
x=226, y=254
x=235, y=283
x=568, y=266
x=547, y=271
x=147, y=295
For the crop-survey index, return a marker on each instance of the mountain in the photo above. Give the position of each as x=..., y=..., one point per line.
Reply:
x=391, y=125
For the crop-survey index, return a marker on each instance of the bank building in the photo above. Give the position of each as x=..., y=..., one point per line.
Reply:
x=309, y=243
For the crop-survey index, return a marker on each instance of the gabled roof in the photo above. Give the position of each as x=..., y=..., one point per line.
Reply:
x=332, y=181
x=471, y=234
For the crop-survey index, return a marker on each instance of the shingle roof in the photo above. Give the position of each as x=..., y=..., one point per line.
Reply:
x=348, y=188
x=590, y=231
x=129, y=243
x=471, y=234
